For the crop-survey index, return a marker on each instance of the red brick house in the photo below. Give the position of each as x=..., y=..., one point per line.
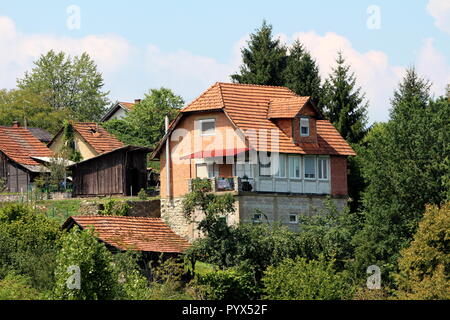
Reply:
x=270, y=147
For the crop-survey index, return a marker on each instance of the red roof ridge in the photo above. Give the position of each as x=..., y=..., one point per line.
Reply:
x=254, y=85
x=200, y=96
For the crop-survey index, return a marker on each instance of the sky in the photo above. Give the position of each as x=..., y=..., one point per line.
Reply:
x=189, y=45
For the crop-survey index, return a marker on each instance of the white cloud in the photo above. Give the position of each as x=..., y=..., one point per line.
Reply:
x=433, y=65
x=129, y=72
x=19, y=50
x=440, y=11
x=374, y=73
x=189, y=74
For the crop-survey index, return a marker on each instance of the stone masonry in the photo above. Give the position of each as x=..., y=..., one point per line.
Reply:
x=276, y=207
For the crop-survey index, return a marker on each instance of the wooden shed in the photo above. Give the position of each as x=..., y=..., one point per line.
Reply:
x=122, y=171
x=18, y=166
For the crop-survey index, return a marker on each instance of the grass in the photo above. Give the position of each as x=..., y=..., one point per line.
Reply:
x=59, y=209
x=63, y=209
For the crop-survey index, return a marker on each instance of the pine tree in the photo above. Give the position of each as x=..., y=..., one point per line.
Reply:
x=344, y=103
x=406, y=165
x=302, y=73
x=263, y=61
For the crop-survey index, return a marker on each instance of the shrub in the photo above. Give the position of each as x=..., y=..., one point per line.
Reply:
x=18, y=287
x=142, y=194
x=99, y=279
x=167, y=281
x=28, y=245
x=425, y=265
x=228, y=284
x=115, y=208
x=134, y=284
x=302, y=280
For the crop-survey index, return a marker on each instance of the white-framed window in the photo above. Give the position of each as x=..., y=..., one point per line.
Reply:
x=206, y=170
x=244, y=169
x=322, y=165
x=304, y=127
x=265, y=166
x=257, y=218
x=294, y=167
x=280, y=171
x=310, y=167
x=208, y=127
x=293, y=218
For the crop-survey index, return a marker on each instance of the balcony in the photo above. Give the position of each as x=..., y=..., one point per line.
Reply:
x=268, y=185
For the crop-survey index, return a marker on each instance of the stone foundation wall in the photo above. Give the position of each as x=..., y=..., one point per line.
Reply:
x=275, y=207
x=172, y=214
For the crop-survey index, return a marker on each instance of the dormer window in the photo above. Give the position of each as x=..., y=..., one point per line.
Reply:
x=304, y=127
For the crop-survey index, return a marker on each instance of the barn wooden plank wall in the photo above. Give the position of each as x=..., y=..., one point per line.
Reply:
x=116, y=173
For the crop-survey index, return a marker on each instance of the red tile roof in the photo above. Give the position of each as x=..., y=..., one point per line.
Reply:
x=286, y=107
x=133, y=233
x=19, y=144
x=127, y=105
x=248, y=107
x=97, y=137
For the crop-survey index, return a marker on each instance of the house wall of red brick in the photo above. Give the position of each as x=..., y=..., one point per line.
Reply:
x=190, y=141
x=338, y=167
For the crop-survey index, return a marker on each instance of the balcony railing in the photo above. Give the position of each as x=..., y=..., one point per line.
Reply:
x=268, y=184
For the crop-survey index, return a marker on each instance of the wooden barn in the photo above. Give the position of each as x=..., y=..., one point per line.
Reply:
x=19, y=150
x=122, y=171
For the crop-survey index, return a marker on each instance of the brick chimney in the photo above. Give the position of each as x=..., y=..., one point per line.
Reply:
x=136, y=101
x=16, y=124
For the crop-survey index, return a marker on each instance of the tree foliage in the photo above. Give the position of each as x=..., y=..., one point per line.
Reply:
x=425, y=264
x=405, y=163
x=144, y=124
x=301, y=74
x=28, y=245
x=263, y=61
x=301, y=279
x=343, y=103
x=99, y=280
x=29, y=109
x=70, y=84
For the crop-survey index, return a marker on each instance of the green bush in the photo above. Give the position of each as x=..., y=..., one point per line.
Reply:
x=99, y=279
x=167, y=284
x=425, y=265
x=142, y=194
x=228, y=284
x=18, y=287
x=115, y=208
x=302, y=280
x=28, y=245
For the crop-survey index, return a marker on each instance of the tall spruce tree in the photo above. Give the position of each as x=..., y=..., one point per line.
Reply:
x=406, y=165
x=264, y=60
x=343, y=103
x=302, y=73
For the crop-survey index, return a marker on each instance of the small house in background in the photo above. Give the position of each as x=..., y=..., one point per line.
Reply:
x=89, y=139
x=119, y=110
x=19, y=149
x=122, y=171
